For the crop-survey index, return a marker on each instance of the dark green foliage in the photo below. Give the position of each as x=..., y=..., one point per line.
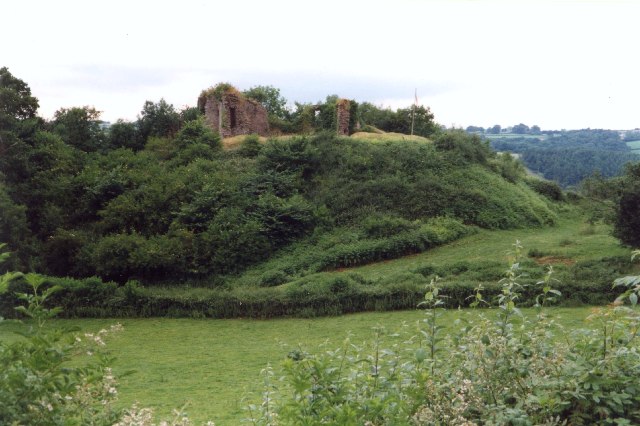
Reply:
x=16, y=102
x=14, y=231
x=549, y=189
x=627, y=217
x=182, y=208
x=119, y=257
x=284, y=220
x=273, y=278
x=398, y=121
x=380, y=226
x=123, y=134
x=571, y=156
x=157, y=119
x=80, y=128
x=462, y=147
x=570, y=166
x=599, y=188
x=250, y=146
x=196, y=132
x=509, y=167
x=190, y=114
x=60, y=252
x=270, y=98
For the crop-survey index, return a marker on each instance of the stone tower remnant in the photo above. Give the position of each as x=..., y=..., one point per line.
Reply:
x=343, y=116
x=229, y=113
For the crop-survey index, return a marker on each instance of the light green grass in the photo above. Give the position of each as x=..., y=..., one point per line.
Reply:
x=513, y=136
x=634, y=145
x=211, y=365
x=388, y=137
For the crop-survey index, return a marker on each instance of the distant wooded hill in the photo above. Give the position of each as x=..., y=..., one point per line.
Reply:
x=568, y=157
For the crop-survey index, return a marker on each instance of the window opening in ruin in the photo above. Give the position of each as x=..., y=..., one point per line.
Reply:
x=232, y=117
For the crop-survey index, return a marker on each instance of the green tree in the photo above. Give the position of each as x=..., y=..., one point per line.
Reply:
x=16, y=102
x=494, y=130
x=190, y=114
x=627, y=222
x=18, y=123
x=13, y=228
x=158, y=119
x=79, y=127
x=520, y=129
x=196, y=132
x=270, y=98
x=123, y=134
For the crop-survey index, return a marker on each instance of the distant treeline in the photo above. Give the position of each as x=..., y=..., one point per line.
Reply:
x=568, y=157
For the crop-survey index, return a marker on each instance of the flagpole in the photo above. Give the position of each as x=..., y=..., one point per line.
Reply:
x=413, y=110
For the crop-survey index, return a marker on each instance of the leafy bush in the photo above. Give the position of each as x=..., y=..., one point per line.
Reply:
x=461, y=146
x=387, y=226
x=627, y=220
x=273, y=278
x=250, y=146
x=549, y=189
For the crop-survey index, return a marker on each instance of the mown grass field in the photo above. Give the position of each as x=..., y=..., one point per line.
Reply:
x=214, y=366
x=634, y=146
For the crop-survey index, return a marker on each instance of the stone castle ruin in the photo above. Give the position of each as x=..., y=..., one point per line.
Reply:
x=343, y=116
x=229, y=113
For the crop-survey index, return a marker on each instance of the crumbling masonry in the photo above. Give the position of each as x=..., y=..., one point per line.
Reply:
x=343, y=116
x=230, y=113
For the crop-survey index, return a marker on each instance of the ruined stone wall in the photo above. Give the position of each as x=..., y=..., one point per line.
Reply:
x=234, y=114
x=342, y=117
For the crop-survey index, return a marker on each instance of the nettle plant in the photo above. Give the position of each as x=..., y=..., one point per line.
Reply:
x=503, y=368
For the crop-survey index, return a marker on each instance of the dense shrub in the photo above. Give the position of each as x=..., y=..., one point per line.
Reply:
x=627, y=220
x=250, y=146
x=181, y=208
x=547, y=188
x=380, y=226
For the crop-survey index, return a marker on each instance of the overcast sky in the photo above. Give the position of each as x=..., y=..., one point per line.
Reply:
x=558, y=64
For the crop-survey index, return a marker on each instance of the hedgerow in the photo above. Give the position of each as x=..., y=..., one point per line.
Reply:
x=318, y=294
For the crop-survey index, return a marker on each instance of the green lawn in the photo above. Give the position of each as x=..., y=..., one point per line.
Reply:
x=214, y=364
